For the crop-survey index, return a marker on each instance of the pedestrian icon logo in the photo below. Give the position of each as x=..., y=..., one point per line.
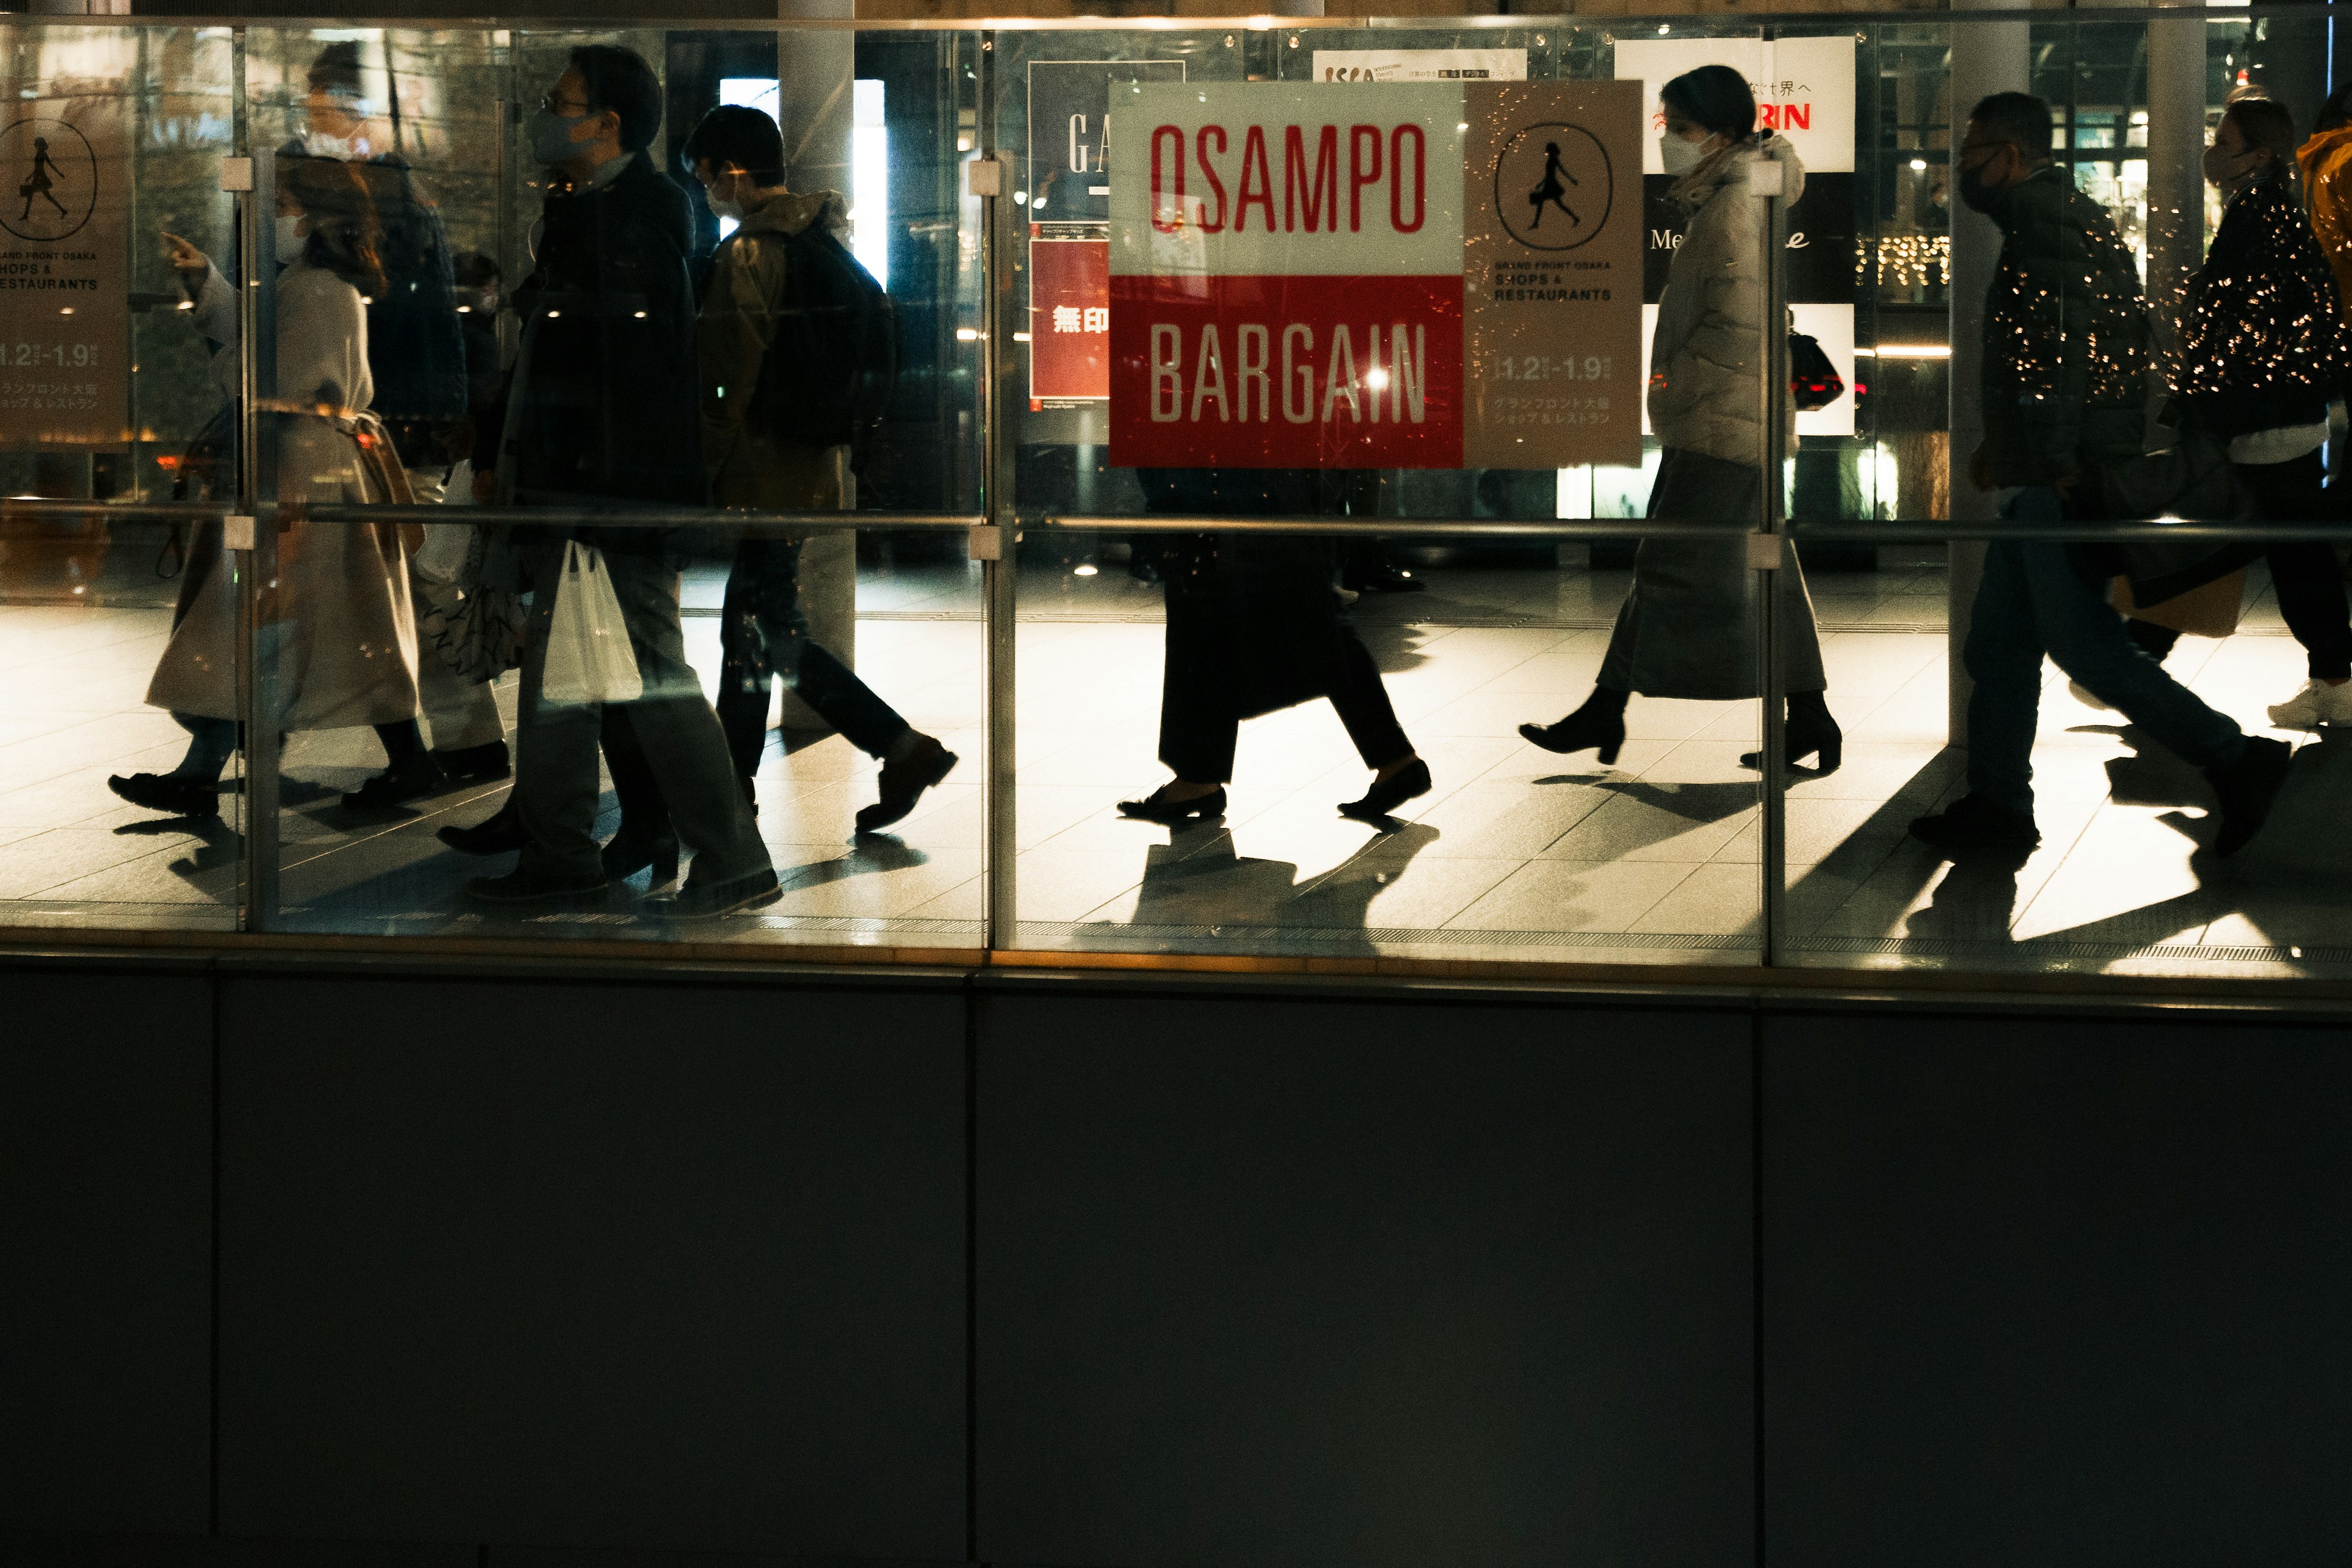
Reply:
x=1553, y=187
x=53, y=176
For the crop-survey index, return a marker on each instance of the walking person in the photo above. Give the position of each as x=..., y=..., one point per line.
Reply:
x=601, y=413
x=2065, y=357
x=337, y=627
x=2263, y=349
x=786, y=320
x=1254, y=626
x=1688, y=627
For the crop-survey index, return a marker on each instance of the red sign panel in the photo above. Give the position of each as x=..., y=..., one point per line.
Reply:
x=1069, y=318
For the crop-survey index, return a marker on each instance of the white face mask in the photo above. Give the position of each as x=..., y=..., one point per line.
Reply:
x=291, y=240
x=1679, y=156
x=321, y=144
x=729, y=205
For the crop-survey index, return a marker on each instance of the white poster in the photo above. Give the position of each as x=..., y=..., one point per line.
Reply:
x=1803, y=87
x=1421, y=65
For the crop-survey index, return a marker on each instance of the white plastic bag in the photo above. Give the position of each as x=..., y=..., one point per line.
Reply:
x=588, y=654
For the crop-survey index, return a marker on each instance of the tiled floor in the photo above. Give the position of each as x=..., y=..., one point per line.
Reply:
x=1517, y=853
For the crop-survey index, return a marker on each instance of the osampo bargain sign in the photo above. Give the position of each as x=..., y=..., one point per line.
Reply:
x=1403, y=276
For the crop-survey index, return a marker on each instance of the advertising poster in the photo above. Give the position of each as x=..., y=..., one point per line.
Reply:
x=1804, y=90
x=1435, y=274
x=64, y=309
x=1421, y=65
x=1067, y=179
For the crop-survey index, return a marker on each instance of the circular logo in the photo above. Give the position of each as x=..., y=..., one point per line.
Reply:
x=48, y=179
x=1553, y=187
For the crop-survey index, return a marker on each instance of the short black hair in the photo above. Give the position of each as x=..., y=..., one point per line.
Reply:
x=2336, y=112
x=337, y=69
x=2265, y=123
x=618, y=80
x=474, y=270
x=733, y=133
x=1715, y=97
x=2020, y=119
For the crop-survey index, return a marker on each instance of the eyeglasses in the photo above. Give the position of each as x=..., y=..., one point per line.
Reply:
x=568, y=107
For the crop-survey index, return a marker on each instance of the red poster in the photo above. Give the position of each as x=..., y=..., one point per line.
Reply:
x=1069, y=316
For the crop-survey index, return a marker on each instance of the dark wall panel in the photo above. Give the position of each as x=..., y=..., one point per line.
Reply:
x=1296, y=1283
x=2048, y=1292
x=675, y=1266
x=105, y=1249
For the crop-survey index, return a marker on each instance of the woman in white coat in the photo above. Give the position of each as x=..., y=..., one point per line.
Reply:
x=1688, y=629
x=336, y=625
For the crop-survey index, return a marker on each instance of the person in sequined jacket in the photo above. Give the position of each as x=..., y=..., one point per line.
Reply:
x=2263, y=349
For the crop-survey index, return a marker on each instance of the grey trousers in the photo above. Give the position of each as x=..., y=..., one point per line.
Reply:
x=555, y=787
x=1688, y=629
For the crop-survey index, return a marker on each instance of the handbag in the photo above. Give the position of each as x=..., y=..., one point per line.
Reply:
x=2192, y=479
x=477, y=630
x=588, y=655
x=1813, y=381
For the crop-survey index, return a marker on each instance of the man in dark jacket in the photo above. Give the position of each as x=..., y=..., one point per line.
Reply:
x=2066, y=361
x=600, y=410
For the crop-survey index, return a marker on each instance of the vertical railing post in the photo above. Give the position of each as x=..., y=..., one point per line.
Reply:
x=1768, y=554
x=252, y=539
x=995, y=541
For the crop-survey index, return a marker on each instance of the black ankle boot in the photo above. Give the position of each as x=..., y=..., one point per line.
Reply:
x=1599, y=724
x=1810, y=730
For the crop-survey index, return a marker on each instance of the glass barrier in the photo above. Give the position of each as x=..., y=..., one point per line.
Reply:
x=1153, y=570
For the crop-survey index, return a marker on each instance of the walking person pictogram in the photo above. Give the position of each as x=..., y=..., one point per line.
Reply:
x=38, y=183
x=1553, y=190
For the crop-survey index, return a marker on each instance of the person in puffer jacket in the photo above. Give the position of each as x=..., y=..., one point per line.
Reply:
x=1687, y=629
x=2263, y=349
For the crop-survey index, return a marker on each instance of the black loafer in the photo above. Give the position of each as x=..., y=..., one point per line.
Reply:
x=168, y=793
x=1156, y=808
x=702, y=900
x=1385, y=797
x=485, y=763
x=500, y=833
x=403, y=781
x=903, y=784
x=2248, y=788
x=530, y=887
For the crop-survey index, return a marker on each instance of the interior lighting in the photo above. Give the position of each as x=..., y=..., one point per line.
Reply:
x=1086, y=571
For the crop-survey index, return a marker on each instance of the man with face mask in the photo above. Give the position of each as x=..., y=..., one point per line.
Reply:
x=2066, y=361
x=601, y=413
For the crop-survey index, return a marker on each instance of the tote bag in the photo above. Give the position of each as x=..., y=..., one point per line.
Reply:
x=588, y=654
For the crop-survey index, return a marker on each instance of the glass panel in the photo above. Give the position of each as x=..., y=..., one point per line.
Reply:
x=605, y=324
x=1357, y=655
x=108, y=399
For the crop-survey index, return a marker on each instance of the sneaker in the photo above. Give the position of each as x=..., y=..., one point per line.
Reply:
x=485, y=763
x=2318, y=703
x=903, y=783
x=2247, y=788
x=406, y=779
x=1974, y=825
x=701, y=899
x=168, y=793
x=530, y=888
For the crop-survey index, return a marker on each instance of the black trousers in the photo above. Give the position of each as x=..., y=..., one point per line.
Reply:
x=1254, y=626
x=2309, y=583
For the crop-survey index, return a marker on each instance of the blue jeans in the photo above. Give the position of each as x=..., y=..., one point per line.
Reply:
x=2039, y=599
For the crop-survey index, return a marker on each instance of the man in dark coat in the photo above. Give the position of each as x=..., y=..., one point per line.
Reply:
x=2066, y=361
x=600, y=410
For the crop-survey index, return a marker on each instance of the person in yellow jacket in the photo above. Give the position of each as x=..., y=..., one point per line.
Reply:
x=2325, y=162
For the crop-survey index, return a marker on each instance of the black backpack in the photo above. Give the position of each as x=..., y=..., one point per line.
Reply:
x=834, y=366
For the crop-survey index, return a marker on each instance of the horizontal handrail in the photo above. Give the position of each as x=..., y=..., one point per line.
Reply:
x=1921, y=530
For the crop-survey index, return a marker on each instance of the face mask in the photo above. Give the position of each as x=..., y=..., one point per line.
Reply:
x=291, y=241
x=723, y=207
x=1679, y=156
x=550, y=136
x=1976, y=195
x=2223, y=168
x=319, y=144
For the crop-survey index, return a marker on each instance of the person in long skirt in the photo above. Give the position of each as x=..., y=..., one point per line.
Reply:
x=337, y=624
x=1688, y=627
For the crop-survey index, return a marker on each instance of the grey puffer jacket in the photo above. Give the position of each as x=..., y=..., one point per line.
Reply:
x=1705, y=394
